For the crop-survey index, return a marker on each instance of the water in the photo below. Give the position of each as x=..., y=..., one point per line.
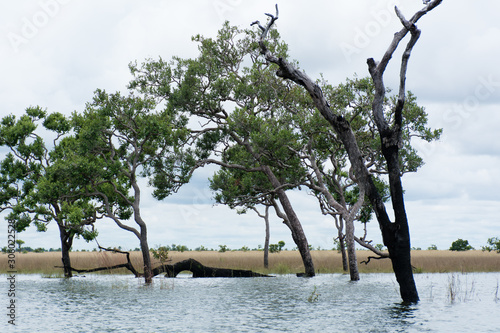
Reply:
x=325, y=303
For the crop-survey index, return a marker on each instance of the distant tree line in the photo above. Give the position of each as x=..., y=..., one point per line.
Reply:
x=458, y=245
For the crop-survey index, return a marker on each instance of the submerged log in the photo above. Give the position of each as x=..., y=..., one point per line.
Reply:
x=198, y=269
x=201, y=271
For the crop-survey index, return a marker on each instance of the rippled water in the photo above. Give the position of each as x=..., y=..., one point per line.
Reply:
x=325, y=303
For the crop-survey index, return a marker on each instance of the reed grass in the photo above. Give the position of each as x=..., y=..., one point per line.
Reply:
x=285, y=262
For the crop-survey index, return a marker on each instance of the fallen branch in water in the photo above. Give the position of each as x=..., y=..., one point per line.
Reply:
x=198, y=269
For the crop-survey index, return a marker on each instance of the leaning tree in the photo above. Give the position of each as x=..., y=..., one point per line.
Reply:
x=237, y=100
x=121, y=139
x=396, y=235
x=329, y=174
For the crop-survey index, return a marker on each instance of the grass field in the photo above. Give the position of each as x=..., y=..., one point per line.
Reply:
x=285, y=262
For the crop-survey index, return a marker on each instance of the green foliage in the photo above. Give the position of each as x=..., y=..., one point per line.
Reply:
x=276, y=248
x=19, y=242
x=273, y=248
x=432, y=247
x=461, y=245
x=493, y=245
x=28, y=186
x=160, y=253
x=223, y=248
x=126, y=137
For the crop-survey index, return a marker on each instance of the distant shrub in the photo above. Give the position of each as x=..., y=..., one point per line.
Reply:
x=223, y=248
x=276, y=248
x=461, y=245
x=493, y=245
x=432, y=247
x=161, y=253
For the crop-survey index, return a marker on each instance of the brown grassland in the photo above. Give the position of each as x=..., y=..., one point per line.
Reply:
x=286, y=262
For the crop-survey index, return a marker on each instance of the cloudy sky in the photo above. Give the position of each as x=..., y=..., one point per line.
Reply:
x=55, y=53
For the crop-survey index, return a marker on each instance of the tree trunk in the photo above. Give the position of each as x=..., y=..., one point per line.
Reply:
x=146, y=257
x=66, y=243
x=399, y=247
x=266, y=241
x=298, y=234
x=345, y=266
x=351, y=250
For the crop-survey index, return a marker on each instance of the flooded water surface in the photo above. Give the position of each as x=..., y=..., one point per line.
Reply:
x=326, y=303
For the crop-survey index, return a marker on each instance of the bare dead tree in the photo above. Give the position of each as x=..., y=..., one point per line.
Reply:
x=395, y=234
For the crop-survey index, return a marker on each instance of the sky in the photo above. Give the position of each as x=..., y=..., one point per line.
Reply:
x=56, y=53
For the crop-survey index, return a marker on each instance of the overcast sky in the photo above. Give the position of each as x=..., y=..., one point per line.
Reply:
x=55, y=53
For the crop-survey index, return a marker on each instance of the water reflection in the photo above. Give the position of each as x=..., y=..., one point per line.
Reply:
x=403, y=315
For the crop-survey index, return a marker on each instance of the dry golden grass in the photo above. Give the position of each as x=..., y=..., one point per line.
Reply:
x=279, y=263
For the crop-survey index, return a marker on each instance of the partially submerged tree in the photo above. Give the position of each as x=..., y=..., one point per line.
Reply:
x=330, y=175
x=121, y=139
x=28, y=189
x=232, y=92
x=395, y=234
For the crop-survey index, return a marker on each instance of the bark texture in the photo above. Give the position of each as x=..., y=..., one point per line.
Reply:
x=294, y=224
x=66, y=243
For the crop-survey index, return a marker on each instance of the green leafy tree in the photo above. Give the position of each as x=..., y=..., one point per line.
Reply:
x=461, y=245
x=493, y=245
x=160, y=253
x=121, y=139
x=233, y=92
x=27, y=187
x=19, y=243
x=223, y=248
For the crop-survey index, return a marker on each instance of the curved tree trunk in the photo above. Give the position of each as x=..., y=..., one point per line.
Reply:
x=201, y=271
x=146, y=257
x=298, y=234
